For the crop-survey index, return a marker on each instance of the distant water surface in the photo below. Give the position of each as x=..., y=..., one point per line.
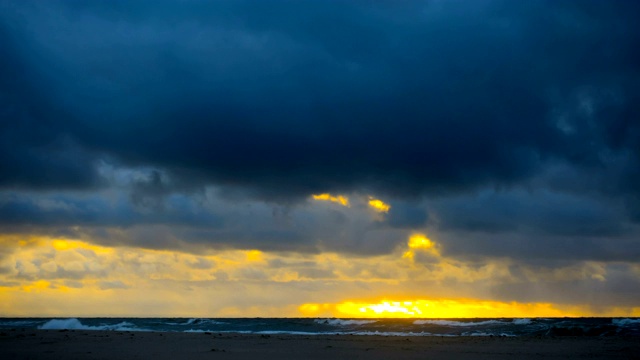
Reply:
x=307, y=326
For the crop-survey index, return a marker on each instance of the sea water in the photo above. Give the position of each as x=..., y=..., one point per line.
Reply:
x=333, y=326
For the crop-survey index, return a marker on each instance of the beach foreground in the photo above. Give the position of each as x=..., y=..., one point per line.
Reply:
x=80, y=344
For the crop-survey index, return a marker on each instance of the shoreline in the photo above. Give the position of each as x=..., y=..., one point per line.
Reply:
x=99, y=344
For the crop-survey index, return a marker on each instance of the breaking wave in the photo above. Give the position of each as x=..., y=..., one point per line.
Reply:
x=457, y=323
x=75, y=324
x=625, y=322
x=196, y=321
x=343, y=322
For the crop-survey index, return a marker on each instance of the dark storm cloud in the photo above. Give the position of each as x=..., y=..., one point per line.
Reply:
x=406, y=215
x=618, y=286
x=540, y=249
x=537, y=213
x=197, y=222
x=33, y=151
x=288, y=98
x=60, y=211
x=453, y=107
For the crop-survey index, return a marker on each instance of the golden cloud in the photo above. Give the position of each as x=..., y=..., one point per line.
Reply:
x=58, y=277
x=339, y=199
x=379, y=205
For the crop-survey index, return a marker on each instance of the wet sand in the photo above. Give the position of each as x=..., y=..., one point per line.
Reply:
x=79, y=344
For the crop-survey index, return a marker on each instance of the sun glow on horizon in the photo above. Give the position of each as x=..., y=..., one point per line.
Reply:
x=439, y=308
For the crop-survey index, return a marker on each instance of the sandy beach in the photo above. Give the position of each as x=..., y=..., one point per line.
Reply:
x=79, y=344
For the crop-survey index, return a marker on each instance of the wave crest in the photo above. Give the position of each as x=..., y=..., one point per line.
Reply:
x=75, y=324
x=342, y=322
x=626, y=322
x=456, y=323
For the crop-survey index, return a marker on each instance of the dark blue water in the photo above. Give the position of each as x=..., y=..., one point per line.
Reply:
x=306, y=326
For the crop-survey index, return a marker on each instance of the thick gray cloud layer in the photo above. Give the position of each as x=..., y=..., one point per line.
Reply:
x=490, y=122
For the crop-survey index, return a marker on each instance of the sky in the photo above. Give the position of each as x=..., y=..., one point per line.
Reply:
x=434, y=158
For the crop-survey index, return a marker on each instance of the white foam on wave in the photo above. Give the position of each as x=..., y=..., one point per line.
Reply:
x=456, y=323
x=523, y=321
x=488, y=334
x=196, y=321
x=332, y=333
x=75, y=324
x=625, y=322
x=273, y=332
x=391, y=333
x=279, y=332
x=60, y=324
x=342, y=322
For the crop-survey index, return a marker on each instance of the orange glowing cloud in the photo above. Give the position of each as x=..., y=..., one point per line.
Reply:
x=378, y=205
x=420, y=243
x=65, y=277
x=339, y=199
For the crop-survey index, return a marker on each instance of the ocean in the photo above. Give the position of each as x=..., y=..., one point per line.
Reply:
x=332, y=326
